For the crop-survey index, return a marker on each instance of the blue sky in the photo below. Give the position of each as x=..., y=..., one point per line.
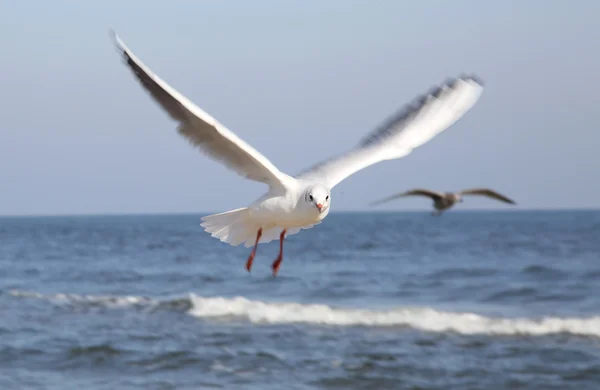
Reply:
x=300, y=81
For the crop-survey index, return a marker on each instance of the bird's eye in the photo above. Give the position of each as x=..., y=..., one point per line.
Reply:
x=310, y=197
x=327, y=197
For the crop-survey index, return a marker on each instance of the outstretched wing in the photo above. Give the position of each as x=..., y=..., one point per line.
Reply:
x=410, y=128
x=489, y=193
x=416, y=192
x=203, y=131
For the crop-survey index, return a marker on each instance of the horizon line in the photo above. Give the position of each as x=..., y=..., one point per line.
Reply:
x=199, y=213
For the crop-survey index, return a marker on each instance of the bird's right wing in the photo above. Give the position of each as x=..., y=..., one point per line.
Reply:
x=489, y=193
x=418, y=192
x=411, y=127
x=203, y=131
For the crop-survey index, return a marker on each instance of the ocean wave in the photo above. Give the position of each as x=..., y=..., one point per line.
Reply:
x=420, y=318
x=107, y=300
x=426, y=319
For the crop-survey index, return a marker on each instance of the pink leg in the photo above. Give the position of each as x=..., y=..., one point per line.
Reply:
x=277, y=262
x=253, y=253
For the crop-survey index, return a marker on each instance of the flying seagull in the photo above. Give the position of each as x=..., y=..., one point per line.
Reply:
x=301, y=202
x=444, y=201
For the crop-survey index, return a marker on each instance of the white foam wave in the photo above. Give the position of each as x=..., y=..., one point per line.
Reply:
x=426, y=319
x=104, y=300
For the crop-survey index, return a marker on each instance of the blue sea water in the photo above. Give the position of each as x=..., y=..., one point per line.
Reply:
x=470, y=300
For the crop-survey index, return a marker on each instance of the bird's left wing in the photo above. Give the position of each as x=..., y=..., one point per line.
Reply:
x=410, y=128
x=417, y=191
x=489, y=193
x=202, y=130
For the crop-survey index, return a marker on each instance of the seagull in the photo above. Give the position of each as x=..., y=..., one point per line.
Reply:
x=444, y=201
x=303, y=201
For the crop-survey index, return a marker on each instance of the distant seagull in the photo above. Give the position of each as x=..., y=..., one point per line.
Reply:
x=295, y=203
x=444, y=201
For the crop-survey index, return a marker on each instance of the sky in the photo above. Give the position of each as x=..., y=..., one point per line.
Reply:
x=300, y=81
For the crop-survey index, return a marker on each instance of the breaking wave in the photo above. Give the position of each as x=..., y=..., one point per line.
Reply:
x=260, y=312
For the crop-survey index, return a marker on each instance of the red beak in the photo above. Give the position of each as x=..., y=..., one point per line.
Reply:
x=319, y=206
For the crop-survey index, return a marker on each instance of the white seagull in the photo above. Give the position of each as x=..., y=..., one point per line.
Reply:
x=301, y=202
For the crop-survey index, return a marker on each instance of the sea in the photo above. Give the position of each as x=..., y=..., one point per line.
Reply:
x=469, y=300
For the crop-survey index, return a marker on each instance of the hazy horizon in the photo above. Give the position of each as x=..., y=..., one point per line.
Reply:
x=333, y=212
x=300, y=82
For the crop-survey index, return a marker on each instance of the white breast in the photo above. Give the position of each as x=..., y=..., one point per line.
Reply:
x=284, y=211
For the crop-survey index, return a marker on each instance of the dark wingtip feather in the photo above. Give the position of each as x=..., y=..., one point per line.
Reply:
x=414, y=107
x=465, y=77
x=450, y=81
x=115, y=39
x=118, y=46
x=435, y=91
x=475, y=78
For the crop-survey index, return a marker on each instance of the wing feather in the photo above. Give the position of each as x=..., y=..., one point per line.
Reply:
x=202, y=130
x=416, y=192
x=414, y=125
x=489, y=193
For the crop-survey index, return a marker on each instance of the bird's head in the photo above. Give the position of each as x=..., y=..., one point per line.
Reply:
x=318, y=196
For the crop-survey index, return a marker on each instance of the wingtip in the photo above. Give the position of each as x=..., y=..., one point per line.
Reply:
x=455, y=82
x=472, y=78
x=376, y=202
x=116, y=39
x=477, y=79
x=113, y=35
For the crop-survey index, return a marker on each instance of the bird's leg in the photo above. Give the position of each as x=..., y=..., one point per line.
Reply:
x=277, y=262
x=253, y=253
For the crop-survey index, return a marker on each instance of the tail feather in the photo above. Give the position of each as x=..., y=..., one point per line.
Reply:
x=235, y=227
x=240, y=233
x=222, y=219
